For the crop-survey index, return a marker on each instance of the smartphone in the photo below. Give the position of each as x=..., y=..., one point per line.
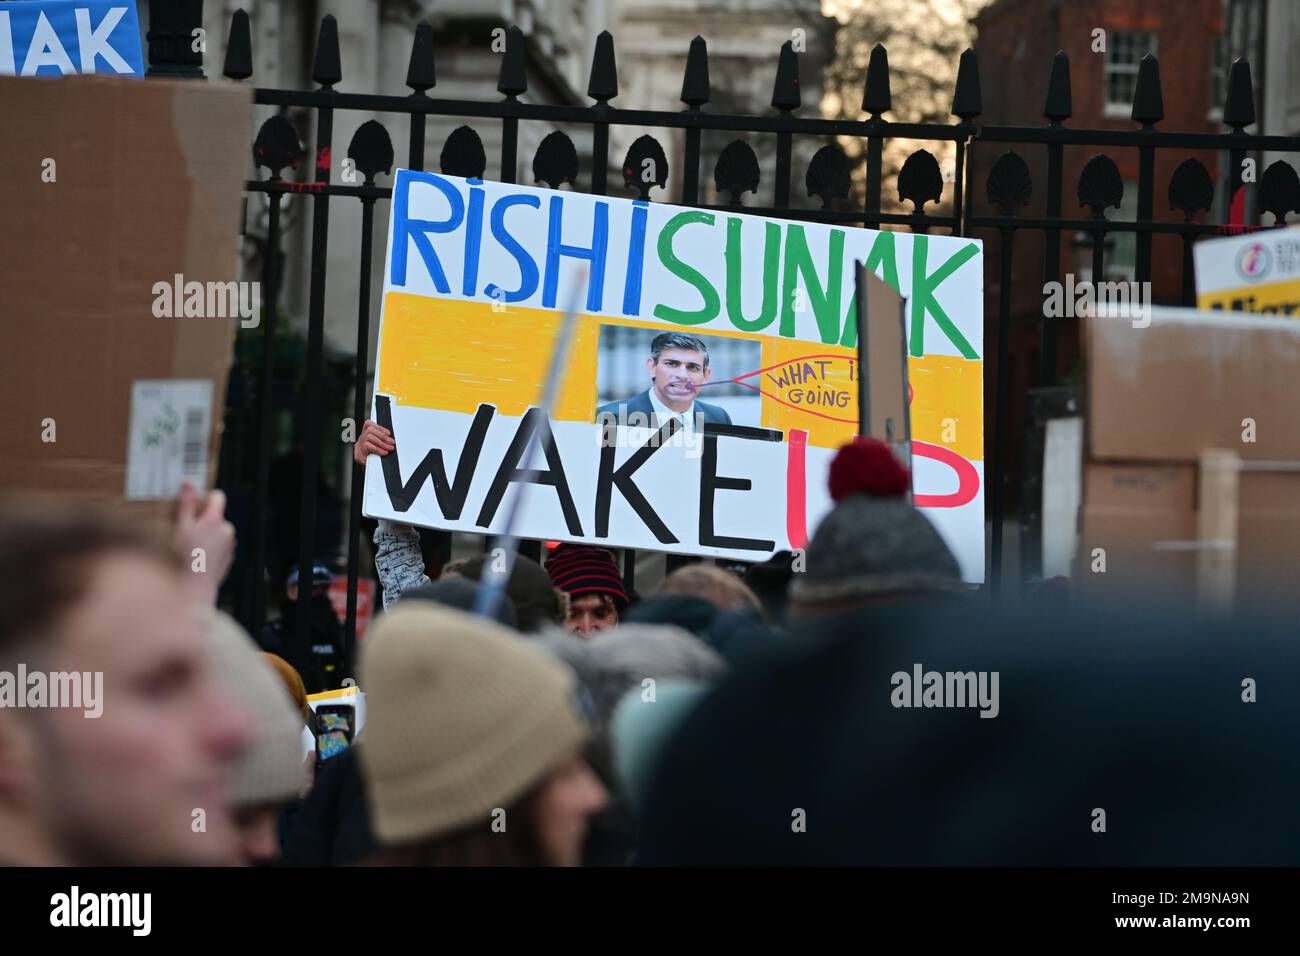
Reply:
x=334, y=730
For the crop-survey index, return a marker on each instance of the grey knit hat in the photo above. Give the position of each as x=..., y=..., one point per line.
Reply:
x=873, y=542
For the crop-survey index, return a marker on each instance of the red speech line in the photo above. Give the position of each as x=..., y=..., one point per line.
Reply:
x=968, y=479
x=796, y=488
x=911, y=392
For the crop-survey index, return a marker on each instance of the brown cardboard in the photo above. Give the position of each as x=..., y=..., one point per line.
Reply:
x=1160, y=394
x=1133, y=513
x=1144, y=517
x=148, y=184
x=886, y=359
x=1187, y=381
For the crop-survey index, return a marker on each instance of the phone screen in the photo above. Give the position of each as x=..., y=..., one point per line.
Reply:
x=333, y=730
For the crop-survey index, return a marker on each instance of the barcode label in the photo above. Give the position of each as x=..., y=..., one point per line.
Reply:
x=194, y=461
x=167, y=442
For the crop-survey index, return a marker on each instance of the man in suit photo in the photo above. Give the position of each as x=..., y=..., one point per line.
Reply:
x=678, y=366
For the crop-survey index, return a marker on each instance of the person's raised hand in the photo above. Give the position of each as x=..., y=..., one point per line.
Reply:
x=374, y=440
x=205, y=541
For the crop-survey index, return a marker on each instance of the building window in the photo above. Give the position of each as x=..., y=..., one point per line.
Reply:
x=1124, y=50
x=1218, y=74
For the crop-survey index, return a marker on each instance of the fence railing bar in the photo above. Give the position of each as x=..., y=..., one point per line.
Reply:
x=615, y=116
x=1115, y=225
x=359, y=404
x=326, y=71
x=264, y=396
x=1159, y=139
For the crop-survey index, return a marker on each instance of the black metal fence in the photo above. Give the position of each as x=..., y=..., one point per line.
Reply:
x=736, y=172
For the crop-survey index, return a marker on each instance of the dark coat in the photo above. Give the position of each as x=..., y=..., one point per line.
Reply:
x=640, y=404
x=332, y=826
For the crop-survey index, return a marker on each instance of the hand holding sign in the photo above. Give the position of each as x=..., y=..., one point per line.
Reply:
x=375, y=439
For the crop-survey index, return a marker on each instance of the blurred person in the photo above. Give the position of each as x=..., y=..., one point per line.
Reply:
x=770, y=582
x=690, y=613
x=733, y=633
x=638, y=733
x=719, y=587
x=454, y=566
x=462, y=594
x=327, y=657
x=678, y=366
x=332, y=828
x=873, y=547
x=1120, y=736
x=538, y=603
x=590, y=577
x=297, y=691
x=332, y=825
x=611, y=663
x=269, y=774
x=126, y=787
x=473, y=750
x=632, y=661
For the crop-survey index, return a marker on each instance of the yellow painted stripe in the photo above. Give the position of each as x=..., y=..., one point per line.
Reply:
x=453, y=355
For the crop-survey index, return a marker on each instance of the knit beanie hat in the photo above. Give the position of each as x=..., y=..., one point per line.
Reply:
x=463, y=717
x=579, y=569
x=873, y=541
x=529, y=587
x=271, y=769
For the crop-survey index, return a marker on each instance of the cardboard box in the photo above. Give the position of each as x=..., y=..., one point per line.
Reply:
x=111, y=188
x=1187, y=381
x=1157, y=397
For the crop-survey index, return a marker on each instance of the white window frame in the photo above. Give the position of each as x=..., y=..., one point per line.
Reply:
x=1122, y=110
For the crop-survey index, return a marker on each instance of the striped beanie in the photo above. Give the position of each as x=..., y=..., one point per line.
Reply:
x=579, y=569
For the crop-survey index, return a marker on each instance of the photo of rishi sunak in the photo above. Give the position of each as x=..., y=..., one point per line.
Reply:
x=678, y=367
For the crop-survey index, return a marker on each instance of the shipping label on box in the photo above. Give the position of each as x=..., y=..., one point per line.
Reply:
x=167, y=438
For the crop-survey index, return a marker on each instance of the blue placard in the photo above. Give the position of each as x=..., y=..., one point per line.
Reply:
x=59, y=37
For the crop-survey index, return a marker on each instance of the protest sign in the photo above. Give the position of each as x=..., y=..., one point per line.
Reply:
x=1254, y=272
x=719, y=447
x=62, y=37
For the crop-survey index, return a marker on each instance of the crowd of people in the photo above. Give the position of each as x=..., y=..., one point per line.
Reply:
x=721, y=719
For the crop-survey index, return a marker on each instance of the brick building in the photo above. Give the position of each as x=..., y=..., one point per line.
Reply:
x=1104, y=40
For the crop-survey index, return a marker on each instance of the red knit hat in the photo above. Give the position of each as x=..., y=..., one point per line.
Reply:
x=579, y=569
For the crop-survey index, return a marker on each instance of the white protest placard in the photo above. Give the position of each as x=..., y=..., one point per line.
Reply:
x=711, y=376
